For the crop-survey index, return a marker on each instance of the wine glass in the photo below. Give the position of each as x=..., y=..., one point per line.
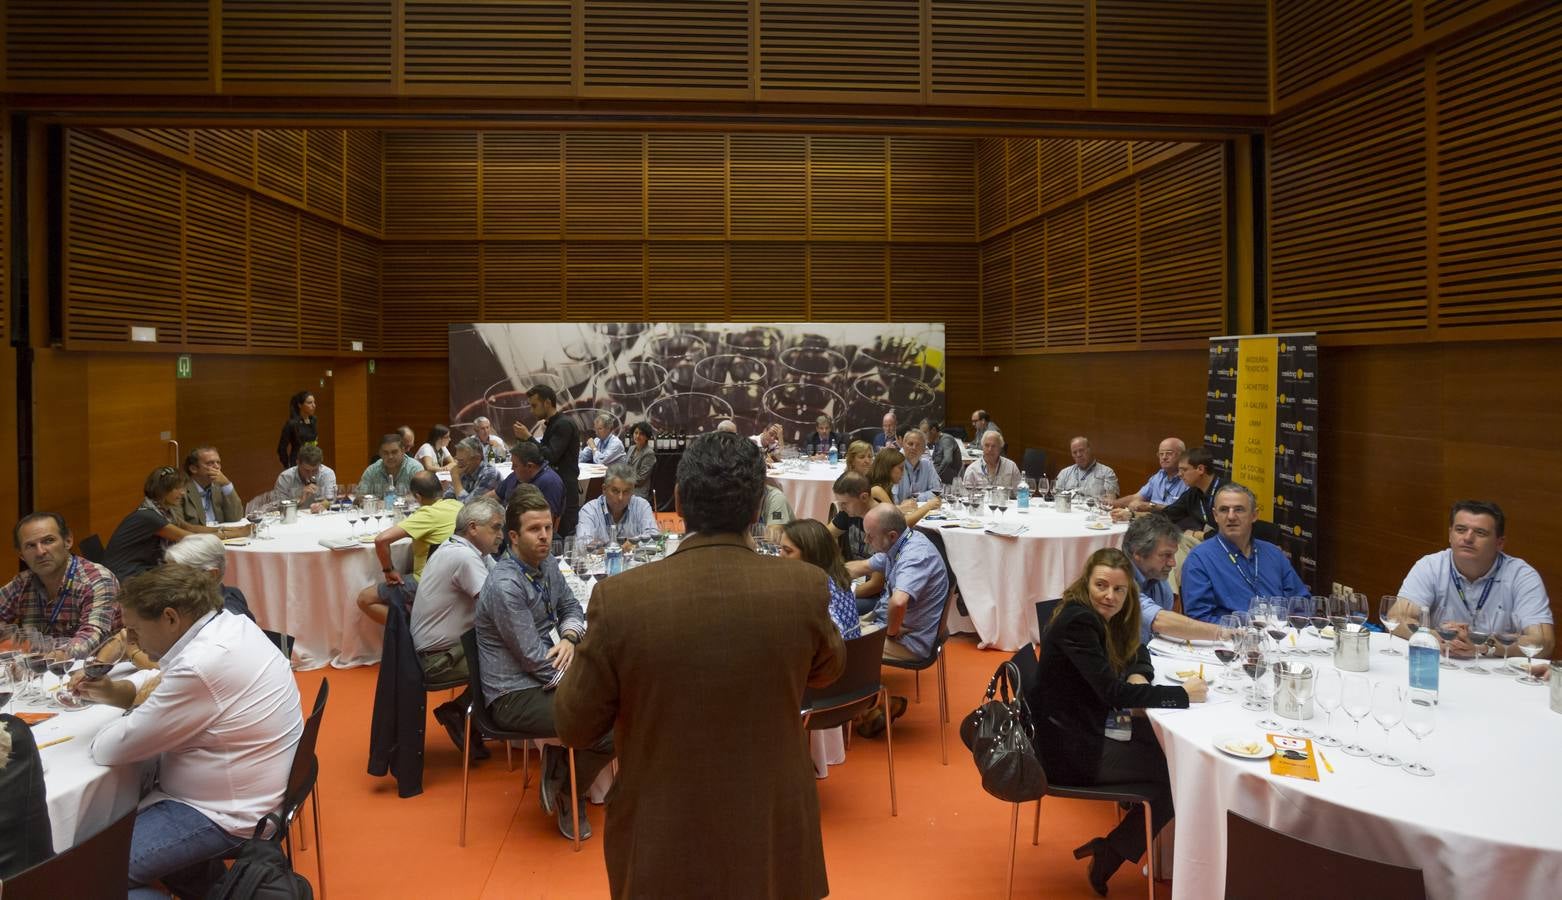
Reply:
x=1388, y=707
x=1274, y=624
x=1389, y=610
x=1043, y=486
x=1255, y=658
x=1447, y=624
x=7, y=684
x=1356, y=700
x=1505, y=636
x=997, y=498
x=1298, y=615
x=1420, y=719
x=1327, y=694
x=1530, y=644
x=1231, y=627
x=1480, y=636
x=1320, y=618
x=253, y=517
x=353, y=515
x=37, y=662
x=1299, y=680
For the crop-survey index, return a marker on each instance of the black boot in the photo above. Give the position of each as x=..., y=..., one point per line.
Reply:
x=1104, y=862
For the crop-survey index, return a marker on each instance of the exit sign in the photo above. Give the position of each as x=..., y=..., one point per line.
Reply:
x=182, y=367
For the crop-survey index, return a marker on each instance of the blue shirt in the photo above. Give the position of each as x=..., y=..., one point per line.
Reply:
x=1217, y=580
x=1514, y=594
x=547, y=481
x=917, y=481
x=596, y=522
x=467, y=488
x=843, y=611
x=206, y=500
x=1155, y=595
x=517, y=612
x=914, y=566
x=603, y=451
x=882, y=440
x=1162, y=489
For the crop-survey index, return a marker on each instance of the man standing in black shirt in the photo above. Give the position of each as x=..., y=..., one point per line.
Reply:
x=559, y=438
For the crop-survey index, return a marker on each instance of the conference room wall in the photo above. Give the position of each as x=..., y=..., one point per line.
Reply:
x=8, y=450
x=1405, y=430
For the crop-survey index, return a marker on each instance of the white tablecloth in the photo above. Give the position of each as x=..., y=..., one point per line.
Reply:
x=812, y=490
x=1484, y=825
x=84, y=797
x=1001, y=578
x=298, y=587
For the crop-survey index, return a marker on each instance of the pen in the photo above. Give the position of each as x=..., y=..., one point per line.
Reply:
x=1201, y=671
x=1325, y=762
x=55, y=741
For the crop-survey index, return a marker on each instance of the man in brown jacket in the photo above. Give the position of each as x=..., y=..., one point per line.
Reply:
x=699, y=662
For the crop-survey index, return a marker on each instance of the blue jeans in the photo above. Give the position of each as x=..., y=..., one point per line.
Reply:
x=174, y=844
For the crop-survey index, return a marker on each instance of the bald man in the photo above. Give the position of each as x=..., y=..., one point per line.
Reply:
x=1087, y=475
x=1165, y=486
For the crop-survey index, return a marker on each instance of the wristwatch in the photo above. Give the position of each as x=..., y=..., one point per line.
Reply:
x=571, y=636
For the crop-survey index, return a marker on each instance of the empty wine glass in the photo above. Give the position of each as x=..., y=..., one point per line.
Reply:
x=1530, y=644
x=7, y=684
x=1388, y=707
x=1300, y=686
x=1356, y=700
x=1327, y=693
x=1389, y=610
x=1420, y=719
x=1448, y=625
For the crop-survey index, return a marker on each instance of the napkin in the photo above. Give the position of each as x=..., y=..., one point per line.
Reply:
x=1005, y=529
x=341, y=543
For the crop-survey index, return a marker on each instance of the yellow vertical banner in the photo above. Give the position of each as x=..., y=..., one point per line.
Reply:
x=1253, y=443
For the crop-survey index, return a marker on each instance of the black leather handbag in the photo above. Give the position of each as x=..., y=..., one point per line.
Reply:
x=999, y=735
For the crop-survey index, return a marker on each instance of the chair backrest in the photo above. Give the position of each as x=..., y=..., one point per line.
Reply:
x=949, y=573
x=1044, y=612
x=1311, y=870
x=96, y=867
x=857, y=687
x=301, y=777
x=91, y=548
x=1034, y=463
x=283, y=642
x=260, y=501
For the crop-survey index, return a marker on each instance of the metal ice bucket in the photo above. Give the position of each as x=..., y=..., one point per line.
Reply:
x=1293, y=689
x=1352, y=648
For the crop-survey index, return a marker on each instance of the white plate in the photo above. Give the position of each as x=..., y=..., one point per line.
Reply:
x=1226, y=742
x=1192, y=673
x=1097, y=526
x=1516, y=663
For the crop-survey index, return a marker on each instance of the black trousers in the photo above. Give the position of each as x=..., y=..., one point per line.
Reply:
x=1137, y=761
x=532, y=711
x=571, y=514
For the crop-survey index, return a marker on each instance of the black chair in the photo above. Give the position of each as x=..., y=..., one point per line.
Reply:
x=1311, y=870
x=1034, y=463
x=303, y=783
x=477, y=714
x=937, y=654
x=96, y=867
x=858, y=690
x=283, y=642
x=91, y=548
x=955, y=431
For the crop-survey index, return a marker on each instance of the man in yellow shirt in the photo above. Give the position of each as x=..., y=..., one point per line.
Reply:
x=430, y=525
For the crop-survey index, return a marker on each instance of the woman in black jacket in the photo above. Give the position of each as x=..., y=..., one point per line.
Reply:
x=1092, y=665
x=300, y=429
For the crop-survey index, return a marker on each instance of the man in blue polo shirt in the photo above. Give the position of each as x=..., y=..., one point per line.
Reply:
x=531, y=468
x=1164, y=486
x=1224, y=573
x=1151, y=542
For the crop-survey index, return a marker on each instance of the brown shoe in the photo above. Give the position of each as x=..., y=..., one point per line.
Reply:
x=871, y=723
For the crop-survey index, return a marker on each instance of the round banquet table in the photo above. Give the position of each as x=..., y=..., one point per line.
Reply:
x=1001, y=578
x=299, y=587
x=1484, y=825
x=810, y=490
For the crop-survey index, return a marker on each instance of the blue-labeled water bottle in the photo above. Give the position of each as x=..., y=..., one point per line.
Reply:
x=1424, y=657
x=614, y=560
x=835, y=454
x=1022, y=494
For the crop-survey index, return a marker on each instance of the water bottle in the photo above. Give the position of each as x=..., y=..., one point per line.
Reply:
x=835, y=454
x=614, y=560
x=389, y=500
x=1424, y=657
x=1022, y=495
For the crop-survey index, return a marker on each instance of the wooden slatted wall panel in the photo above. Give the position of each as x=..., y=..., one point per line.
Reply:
x=1024, y=180
x=57, y=46
x=998, y=295
x=1066, y=264
x=1499, y=168
x=686, y=184
x=1030, y=286
x=769, y=281
x=1439, y=11
x=992, y=185
x=931, y=186
x=319, y=283
x=217, y=250
x=422, y=287
x=273, y=275
x=986, y=51
x=360, y=310
x=847, y=282
x=280, y=160
x=1100, y=162
x=271, y=45
x=522, y=184
x=847, y=187
x=1182, y=248
x=523, y=282
x=936, y=283
x=364, y=186
x=487, y=46
x=868, y=49
x=1213, y=50
x=174, y=140
x=604, y=184
x=1112, y=290
x=1315, y=39
x=431, y=185
x=5, y=228
x=686, y=282
x=1059, y=161
x=699, y=47
x=768, y=193
x=1348, y=187
x=325, y=173
x=232, y=151
x=122, y=221
x=604, y=281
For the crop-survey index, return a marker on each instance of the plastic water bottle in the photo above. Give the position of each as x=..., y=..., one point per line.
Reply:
x=835, y=454
x=614, y=560
x=1424, y=657
x=389, y=501
x=1022, y=495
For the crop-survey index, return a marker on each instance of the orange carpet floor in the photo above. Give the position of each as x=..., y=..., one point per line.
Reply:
x=949, y=841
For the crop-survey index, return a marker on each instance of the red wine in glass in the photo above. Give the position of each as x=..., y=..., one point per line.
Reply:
x=96, y=669
x=1225, y=656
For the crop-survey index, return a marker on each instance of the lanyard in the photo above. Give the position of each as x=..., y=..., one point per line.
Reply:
x=1231, y=554
x=65, y=589
x=1208, y=508
x=1453, y=572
